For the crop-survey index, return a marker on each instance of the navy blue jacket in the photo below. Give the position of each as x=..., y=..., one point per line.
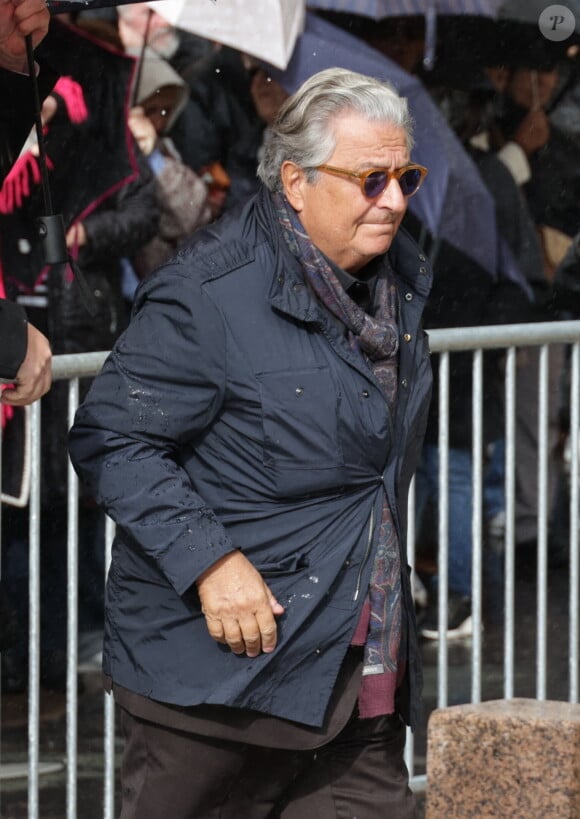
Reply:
x=233, y=413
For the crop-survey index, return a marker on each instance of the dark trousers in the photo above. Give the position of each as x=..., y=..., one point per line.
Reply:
x=169, y=774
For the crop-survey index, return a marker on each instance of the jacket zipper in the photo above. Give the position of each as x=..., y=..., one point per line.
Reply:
x=367, y=550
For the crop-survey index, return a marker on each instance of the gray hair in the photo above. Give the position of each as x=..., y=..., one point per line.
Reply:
x=303, y=131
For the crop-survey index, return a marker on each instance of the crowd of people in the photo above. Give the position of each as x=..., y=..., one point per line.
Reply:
x=237, y=434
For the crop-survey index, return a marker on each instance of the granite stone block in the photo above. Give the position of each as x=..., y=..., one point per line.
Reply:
x=504, y=759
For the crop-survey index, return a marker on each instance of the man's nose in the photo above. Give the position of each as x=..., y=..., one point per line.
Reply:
x=392, y=197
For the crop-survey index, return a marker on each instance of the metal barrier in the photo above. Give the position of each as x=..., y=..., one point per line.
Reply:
x=444, y=342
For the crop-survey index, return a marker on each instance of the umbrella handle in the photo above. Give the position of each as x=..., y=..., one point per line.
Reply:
x=430, y=47
x=51, y=226
x=135, y=94
x=38, y=124
x=51, y=231
x=536, y=105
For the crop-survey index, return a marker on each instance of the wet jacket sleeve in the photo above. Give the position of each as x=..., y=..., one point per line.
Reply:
x=13, y=338
x=184, y=200
x=161, y=388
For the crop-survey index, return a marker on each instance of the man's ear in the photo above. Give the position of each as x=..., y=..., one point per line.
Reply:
x=293, y=181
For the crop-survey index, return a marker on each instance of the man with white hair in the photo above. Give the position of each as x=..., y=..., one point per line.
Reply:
x=253, y=435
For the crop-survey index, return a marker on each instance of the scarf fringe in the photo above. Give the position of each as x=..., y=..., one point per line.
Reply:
x=73, y=98
x=26, y=170
x=18, y=184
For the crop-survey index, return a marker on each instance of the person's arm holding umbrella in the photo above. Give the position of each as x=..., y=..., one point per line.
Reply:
x=24, y=352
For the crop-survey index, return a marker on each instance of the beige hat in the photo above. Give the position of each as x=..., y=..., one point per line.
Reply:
x=156, y=73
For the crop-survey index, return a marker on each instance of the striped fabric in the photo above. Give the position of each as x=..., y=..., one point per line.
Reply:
x=378, y=9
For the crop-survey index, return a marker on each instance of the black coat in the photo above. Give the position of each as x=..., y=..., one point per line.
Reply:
x=17, y=112
x=220, y=122
x=16, y=120
x=553, y=191
x=116, y=228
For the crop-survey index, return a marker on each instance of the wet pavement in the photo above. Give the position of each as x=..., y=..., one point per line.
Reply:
x=52, y=792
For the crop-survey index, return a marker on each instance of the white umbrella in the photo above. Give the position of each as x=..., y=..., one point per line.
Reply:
x=266, y=29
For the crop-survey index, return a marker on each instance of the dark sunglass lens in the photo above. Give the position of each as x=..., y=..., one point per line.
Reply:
x=410, y=181
x=375, y=183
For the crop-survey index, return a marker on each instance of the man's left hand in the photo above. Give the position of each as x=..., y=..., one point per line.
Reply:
x=18, y=18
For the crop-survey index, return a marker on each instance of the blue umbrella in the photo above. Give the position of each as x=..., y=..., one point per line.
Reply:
x=453, y=203
x=429, y=9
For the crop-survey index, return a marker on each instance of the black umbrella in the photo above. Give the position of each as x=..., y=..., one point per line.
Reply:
x=74, y=6
x=522, y=34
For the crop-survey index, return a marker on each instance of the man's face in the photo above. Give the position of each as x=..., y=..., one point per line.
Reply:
x=344, y=224
x=532, y=89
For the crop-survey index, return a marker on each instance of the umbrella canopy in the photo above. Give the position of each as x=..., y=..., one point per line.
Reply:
x=72, y=6
x=453, y=203
x=379, y=9
x=267, y=31
x=540, y=13
x=521, y=33
x=428, y=10
x=533, y=33
x=462, y=35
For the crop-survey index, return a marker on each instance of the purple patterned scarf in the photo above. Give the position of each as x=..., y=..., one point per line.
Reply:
x=377, y=338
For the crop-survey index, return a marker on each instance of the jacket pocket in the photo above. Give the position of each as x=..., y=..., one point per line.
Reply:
x=300, y=419
x=287, y=566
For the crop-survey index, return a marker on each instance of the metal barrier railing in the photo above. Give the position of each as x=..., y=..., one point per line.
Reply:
x=510, y=338
x=443, y=342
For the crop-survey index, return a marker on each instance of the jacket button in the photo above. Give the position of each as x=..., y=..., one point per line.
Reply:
x=404, y=383
x=280, y=279
x=365, y=393
x=297, y=287
x=422, y=257
x=407, y=337
x=299, y=390
x=346, y=564
x=408, y=297
x=318, y=651
x=422, y=270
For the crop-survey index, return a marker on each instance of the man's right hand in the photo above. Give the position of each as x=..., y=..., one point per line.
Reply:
x=239, y=607
x=17, y=19
x=34, y=376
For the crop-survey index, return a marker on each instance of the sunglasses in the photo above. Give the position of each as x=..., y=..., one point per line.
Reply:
x=374, y=181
